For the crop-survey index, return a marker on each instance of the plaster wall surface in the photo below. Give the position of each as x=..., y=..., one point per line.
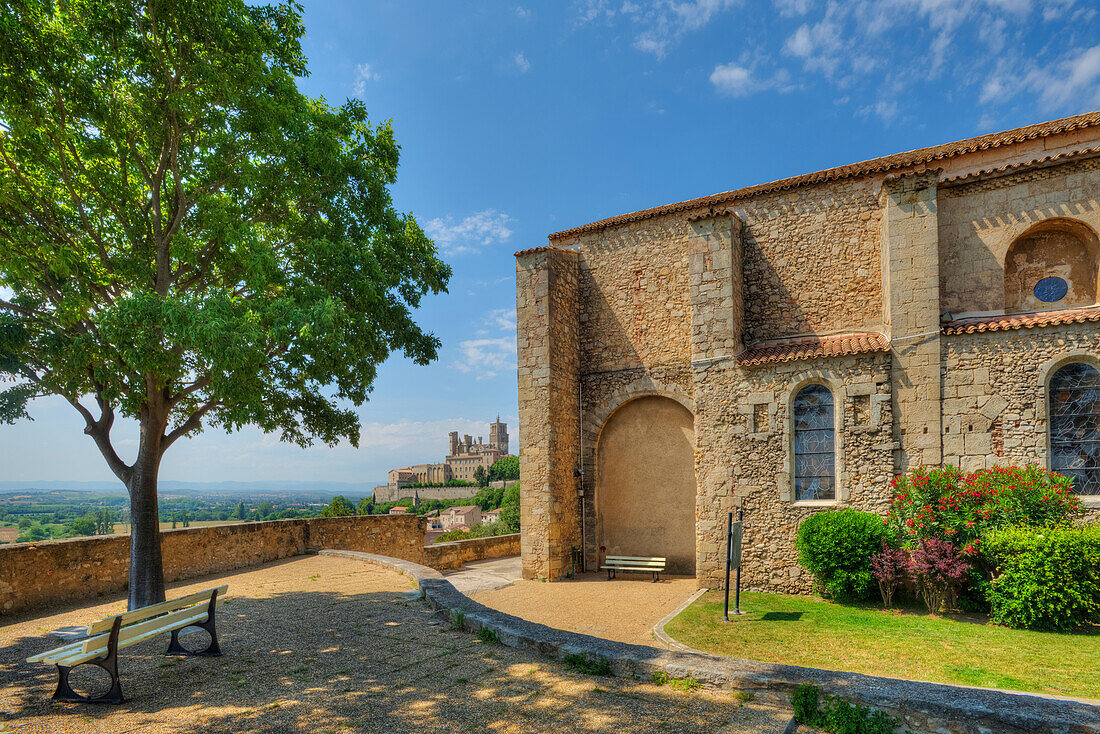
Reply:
x=645, y=500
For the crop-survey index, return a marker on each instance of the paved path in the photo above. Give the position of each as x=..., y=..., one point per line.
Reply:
x=624, y=610
x=325, y=645
x=480, y=576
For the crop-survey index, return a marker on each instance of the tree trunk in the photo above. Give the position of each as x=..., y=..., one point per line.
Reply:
x=146, y=569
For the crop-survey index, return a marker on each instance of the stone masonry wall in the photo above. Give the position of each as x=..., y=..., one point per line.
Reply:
x=812, y=260
x=548, y=363
x=743, y=458
x=452, y=555
x=979, y=220
x=57, y=572
x=995, y=393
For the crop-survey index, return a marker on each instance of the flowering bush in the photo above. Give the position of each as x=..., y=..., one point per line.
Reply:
x=958, y=507
x=939, y=571
x=890, y=567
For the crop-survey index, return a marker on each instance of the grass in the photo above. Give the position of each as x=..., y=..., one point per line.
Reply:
x=798, y=630
x=588, y=665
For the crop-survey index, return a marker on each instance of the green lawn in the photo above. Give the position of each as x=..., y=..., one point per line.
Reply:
x=807, y=631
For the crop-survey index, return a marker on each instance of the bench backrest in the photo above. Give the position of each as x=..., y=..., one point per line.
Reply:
x=648, y=562
x=155, y=610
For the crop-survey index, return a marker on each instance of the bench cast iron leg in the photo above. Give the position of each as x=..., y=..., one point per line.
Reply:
x=212, y=650
x=109, y=663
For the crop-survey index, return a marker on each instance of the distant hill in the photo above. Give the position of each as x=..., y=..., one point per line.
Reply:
x=359, y=489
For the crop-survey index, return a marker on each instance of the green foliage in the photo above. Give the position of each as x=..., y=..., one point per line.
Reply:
x=485, y=634
x=485, y=530
x=836, y=547
x=836, y=715
x=481, y=477
x=806, y=703
x=365, y=506
x=458, y=619
x=1046, y=579
x=505, y=468
x=959, y=507
x=587, y=664
x=339, y=507
x=82, y=526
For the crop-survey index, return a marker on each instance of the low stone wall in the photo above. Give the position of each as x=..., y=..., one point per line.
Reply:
x=447, y=556
x=50, y=573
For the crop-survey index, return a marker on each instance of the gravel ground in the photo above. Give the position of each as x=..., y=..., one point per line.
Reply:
x=328, y=644
x=623, y=610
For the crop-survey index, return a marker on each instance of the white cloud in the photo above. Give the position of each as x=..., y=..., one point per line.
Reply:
x=364, y=73
x=478, y=230
x=522, y=63
x=789, y=8
x=524, y=13
x=659, y=24
x=1070, y=80
x=486, y=357
x=732, y=79
x=502, y=318
x=735, y=80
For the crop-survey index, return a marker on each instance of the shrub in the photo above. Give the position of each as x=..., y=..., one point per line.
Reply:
x=939, y=572
x=1045, y=579
x=890, y=567
x=834, y=714
x=588, y=665
x=836, y=547
x=957, y=507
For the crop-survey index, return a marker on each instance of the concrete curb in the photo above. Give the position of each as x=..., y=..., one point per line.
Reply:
x=664, y=637
x=924, y=708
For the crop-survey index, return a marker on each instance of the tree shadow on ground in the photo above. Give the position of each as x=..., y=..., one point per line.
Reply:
x=370, y=661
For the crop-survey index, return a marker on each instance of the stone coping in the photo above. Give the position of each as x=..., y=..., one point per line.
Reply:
x=924, y=708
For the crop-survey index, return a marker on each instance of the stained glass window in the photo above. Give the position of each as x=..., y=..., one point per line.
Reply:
x=814, y=461
x=1075, y=426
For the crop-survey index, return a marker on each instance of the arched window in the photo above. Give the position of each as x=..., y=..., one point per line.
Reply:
x=814, y=457
x=1075, y=426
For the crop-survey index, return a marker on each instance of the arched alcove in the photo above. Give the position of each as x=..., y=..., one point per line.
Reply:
x=645, y=482
x=1052, y=265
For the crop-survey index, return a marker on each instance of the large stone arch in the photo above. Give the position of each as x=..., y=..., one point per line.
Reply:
x=645, y=482
x=1061, y=250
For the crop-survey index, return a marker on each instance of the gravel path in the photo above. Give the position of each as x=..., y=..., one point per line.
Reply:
x=623, y=610
x=327, y=644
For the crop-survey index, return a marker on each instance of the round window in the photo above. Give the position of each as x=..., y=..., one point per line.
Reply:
x=1051, y=289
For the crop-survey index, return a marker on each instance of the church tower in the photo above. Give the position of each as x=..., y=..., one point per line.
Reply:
x=498, y=435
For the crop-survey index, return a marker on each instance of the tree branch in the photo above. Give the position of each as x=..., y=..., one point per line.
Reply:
x=192, y=422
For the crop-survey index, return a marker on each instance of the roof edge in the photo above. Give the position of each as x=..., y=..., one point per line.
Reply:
x=882, y=164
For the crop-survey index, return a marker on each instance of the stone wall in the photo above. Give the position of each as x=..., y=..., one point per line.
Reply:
x=452, y=555
x=743, y=464
x=980, y=218
x=812, y=260
x=50, y=573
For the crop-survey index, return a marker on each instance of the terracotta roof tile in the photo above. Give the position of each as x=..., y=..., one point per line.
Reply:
x=1022, y=320
x=1057, y=158
x=835, y=345
x=544, y=248
x=875, y=165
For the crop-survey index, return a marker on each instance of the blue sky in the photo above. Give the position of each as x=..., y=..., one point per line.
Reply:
x=517, y=120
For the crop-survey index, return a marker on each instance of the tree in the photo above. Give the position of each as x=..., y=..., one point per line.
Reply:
x=241, y=512
x=189, y=240
x=339, y=507
x=82, y=526
x=505, y=468
x=264, y=509
x=509, y=509
x=481, y=477
x=365, y=506
x=104, y=522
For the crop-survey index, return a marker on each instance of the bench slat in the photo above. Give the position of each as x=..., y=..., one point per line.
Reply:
x=64, y=649
x=97, y=647
x=646, y=569
x=636, y=558
x=104, y=625
x=618, y=562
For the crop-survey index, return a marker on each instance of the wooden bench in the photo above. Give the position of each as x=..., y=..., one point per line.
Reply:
x=107, y=636
x=637, y=564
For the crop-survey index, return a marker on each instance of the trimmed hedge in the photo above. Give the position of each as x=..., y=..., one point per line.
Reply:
x=1046, y=578
x=836, y=547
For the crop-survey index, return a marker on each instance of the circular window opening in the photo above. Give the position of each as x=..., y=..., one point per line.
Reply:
x=1051, y=289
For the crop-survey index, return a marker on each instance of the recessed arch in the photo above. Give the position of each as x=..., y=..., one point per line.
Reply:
x=645, y=482
x=1053, y=264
